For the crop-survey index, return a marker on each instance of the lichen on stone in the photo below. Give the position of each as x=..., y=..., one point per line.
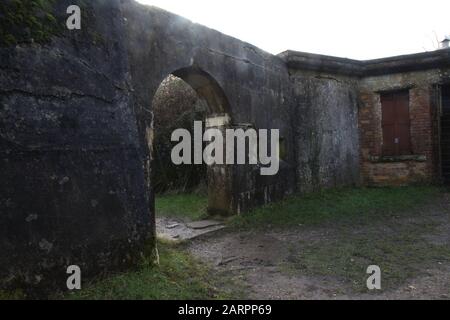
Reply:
x=27, y=21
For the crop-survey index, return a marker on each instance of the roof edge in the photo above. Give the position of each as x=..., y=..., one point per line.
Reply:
x=361, y=68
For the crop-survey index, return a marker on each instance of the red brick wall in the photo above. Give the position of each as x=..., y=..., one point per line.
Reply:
x=420, y=168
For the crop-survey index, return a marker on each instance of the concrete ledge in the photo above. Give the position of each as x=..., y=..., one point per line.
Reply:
x=384, y=159
x=321, y=63
x=362, y=68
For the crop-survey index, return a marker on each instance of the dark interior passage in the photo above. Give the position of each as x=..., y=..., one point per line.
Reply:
x=445, y=134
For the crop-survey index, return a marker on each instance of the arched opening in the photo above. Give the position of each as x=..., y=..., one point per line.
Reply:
x=183, y=97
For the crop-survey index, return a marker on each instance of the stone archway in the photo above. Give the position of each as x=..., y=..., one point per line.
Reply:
x=219, y=177
x=76, y=185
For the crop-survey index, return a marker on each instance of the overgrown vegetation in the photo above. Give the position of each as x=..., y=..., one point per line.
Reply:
x=341, y=205
x=25, y=21
x=179, y=276
x=175, y=106
x=191, y=206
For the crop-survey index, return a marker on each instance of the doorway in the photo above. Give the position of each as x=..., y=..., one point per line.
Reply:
x=445, y=134
x=188, y=192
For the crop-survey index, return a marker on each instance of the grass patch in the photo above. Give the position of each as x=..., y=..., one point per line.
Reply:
x=341, y=205
x=12, y=295
x=385, y=227
x=402, y=254
x=191, y=206
x=179, y=276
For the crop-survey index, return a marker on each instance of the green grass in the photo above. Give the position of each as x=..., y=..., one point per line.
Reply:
x=179, y=276
x=191, y=206
x=402, y=255
x=385, y=227
x=341, y=205
x=381, y=226
x=369, y=226
x=12, y=295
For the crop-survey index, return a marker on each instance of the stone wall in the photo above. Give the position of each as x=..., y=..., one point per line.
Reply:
x=338, y=100
x=255, y=84
x=326, y=130
x=73, y=189
x=76, y=133
x=76, y=130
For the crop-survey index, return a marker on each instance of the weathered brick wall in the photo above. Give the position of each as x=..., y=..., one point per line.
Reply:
x=421, y=165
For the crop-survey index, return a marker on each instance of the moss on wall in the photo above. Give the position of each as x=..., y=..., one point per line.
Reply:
x=26, y=21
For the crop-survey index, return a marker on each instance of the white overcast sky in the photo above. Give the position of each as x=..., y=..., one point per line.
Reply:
x=347, y=28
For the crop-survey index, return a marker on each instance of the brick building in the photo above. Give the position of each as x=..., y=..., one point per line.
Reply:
x=403, y=112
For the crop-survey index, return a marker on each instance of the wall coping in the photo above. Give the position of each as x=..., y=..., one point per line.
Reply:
x=296, y=60
x=387, y=159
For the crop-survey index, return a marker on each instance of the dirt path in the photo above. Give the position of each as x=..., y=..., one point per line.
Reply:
x=173, y=229
x=329, y=262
